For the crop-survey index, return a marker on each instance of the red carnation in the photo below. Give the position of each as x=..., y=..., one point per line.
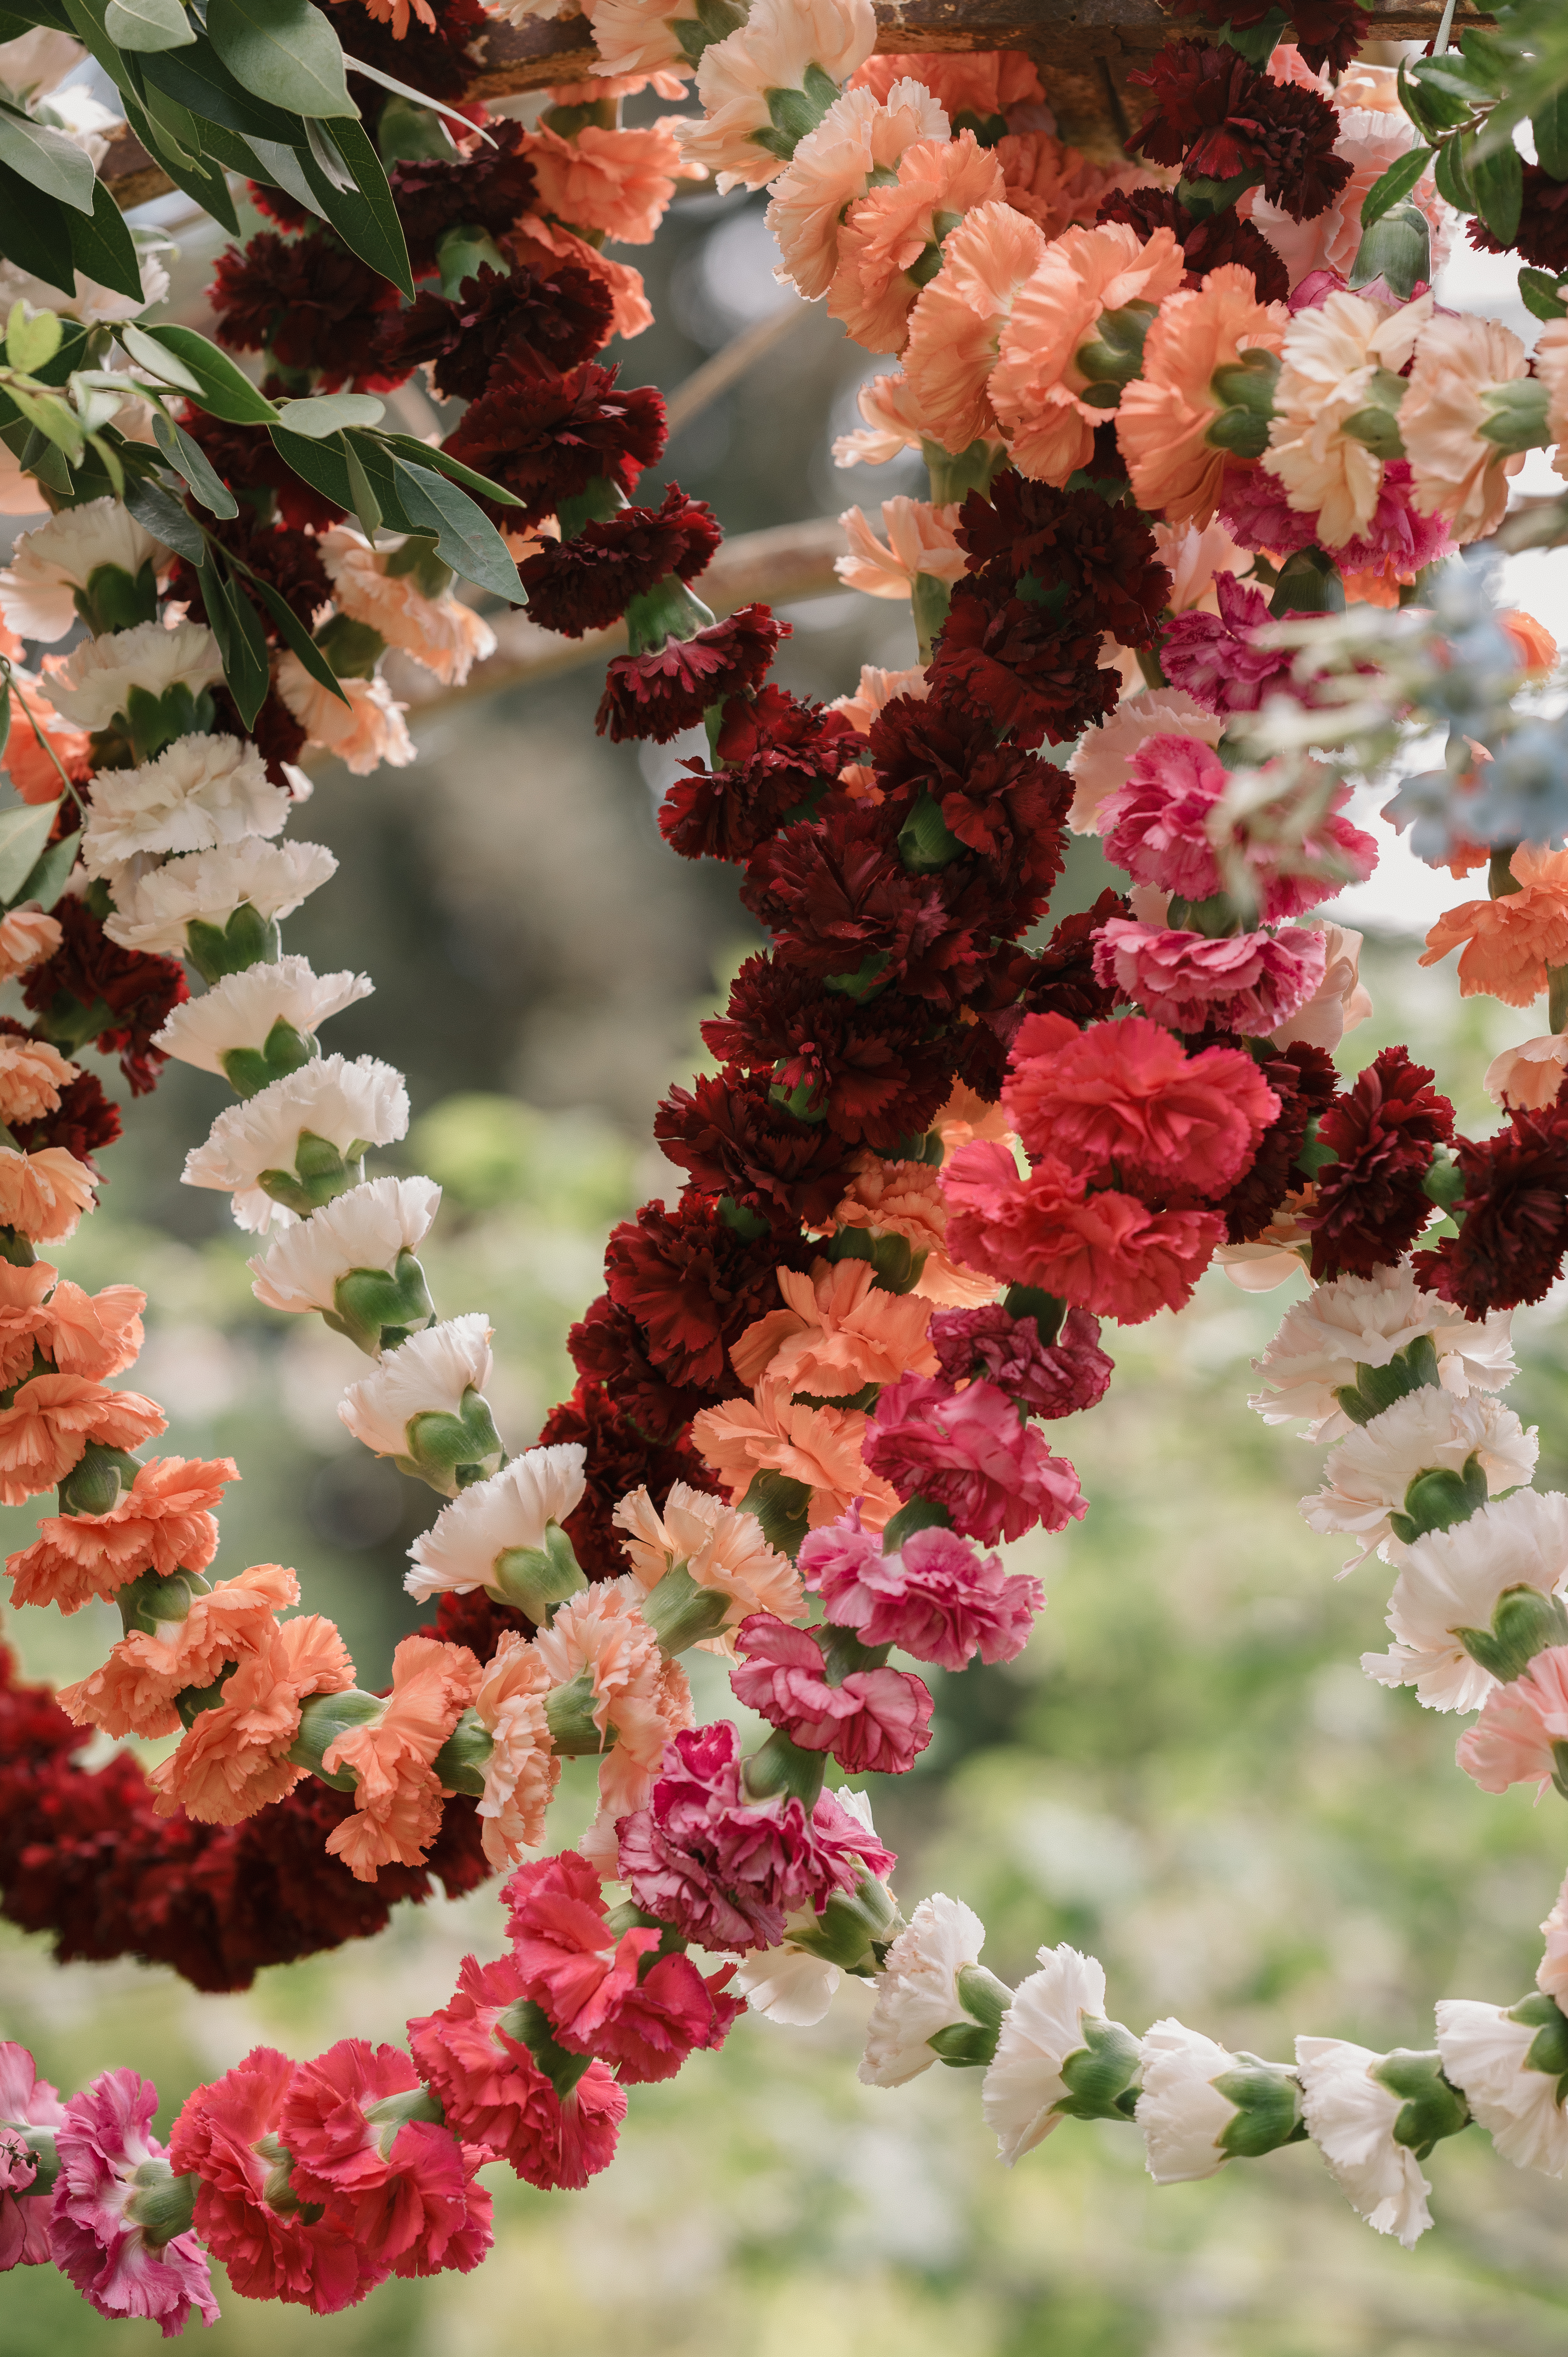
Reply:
x=1022, y=665
x=774, y=757
x=130, y=994
x=1304, y=1080
x=546, y=435
x=275, y=733
x=1219, y=119
x=608, y=1347
x=563, y=318
x=1371, y=1203
x=1062, y=981
x=1069, y=546
x=489, y=188
x=999, y=803
x=1513, y=1217
x=1049, y=1379
x=841, y=904
x=244, y=458
x=84, y=1121
x=692, y=1285
x=402, y=2190
x=975, y=1452
x=588, y=582
x=730, y=1139
x=308, y=303
x=655, y=696
x=619, y=1458
x=874, y=1721
x=1326, y=32
x=1207, y=244
x=1542, y=236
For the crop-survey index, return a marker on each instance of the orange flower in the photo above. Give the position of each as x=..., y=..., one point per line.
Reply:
x=615, y=183
x=26, y=936
x=397, y=1801
x=44, y=1194
x=859, y=135
x=35, y=777
x=96, y=1334
x=522, y=1772
x=234, y=1761
x=966, y=1117
x=639, y=1699
x=886, y=233
x=163, y=1522
x=135, y=1691
x=23, y=1317
x=1536, y=647
x=1164, y=420
x=1509, y=942
x=1056, y=186
x=984, y=82
x=818, y=1446
x=959, y=321
x=838, y=1332
x=49, y=1422
x=905, y=1199
x=878, y=688
x=32, y=1075
x=721, y=1548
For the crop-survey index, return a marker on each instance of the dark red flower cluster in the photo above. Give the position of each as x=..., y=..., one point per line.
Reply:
x=288, y=560
x=588, y=582
x=1326, y=32
x=562, y=318
x=1206, y=242
x=1371, y=1202
x=1542, y=233
x=130, y=993
x=84, y=1121
x=489, y=188
x=1305, y=1081
x=776, y=757
x=658, y=695
x=692, y=1283
x=309, y=304
x=546, y=434
x=875, y=1074
x=1513, y=1216
x=434, y=58
x=244, y=458
x=733, y=1137
x=1219, y=119
x=618, y=1457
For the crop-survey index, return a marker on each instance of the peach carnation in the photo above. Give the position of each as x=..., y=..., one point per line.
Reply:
x=771, y=52
x=720, y=1547
x=986, y=83
x=1509, y=944
x=876, y=689
x=1054, y=184
x=1192, y=554
x=442, y=633
x=1103, y=756
x=364, y=733
x=1531, y=641
x=50, y=1422
x=1340, y=1001
x=639, y=1699
x=920, y=539
x=522, y=1772
x=905, y=1199
x=615, y=184
x=817, y=1446
x=44, y=1195
x=859, y=134
x=96, y=1334
x=26, y=936
x=1551, y=367
x=234, y=1760
x=895, y=421
x=397, y=1796
x=135, y=1691
x=1333, y=353
x=838, y=1331
x=32, y=1075
x=1455, y=471
x=163, y=1522
x=1529, y=1075
x=24, y=1322
x=1036, y=386
x=1162, y=423
x=958, y=319
x=894, y=229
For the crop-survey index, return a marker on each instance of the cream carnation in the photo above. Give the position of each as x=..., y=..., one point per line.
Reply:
x=350, y=1105
x=62, y=556
x=1181, y=2112
x=1486, y=2053
x=770, y=52
x=241, y=1009
x=790, y=1985
x=1333, y=356
x=1350, y=2117
x=521, y=1772
x=832, y=165
x=447, y=637
x=1456, y=471
x=198, y=792
x=365, y=1228
x=428, y=1375
x=1452, y=1580
x=99, y=675
x=720, y=1547
x=916, y=1990
x=1365, y=1321
x=152, y=909
x=920, y=539
x=513, y=1508
x=1042, y=2029
x=366, y=733
x=1368, y=1474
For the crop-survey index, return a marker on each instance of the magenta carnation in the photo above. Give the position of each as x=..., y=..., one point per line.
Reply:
x=114, y=2190
x=973, y=1452
x=939, y=1597
x=1216, y=658
x=1049, y=1379
x=1155, y=825
x=25, y=2100
x=874, y=1722
x=1248, y=982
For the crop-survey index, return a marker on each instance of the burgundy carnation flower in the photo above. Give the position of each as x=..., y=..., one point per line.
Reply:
x=874, y=1721
x=608, y=1347
x=1003, y=804
x=775, y=757
x=1095, y=550
x=1305, y=1081
x=136, y=991
x=938, y=1598
x=1062, y=979
x=723, y=1869
x=289, y=561
x=692, y=1285
x=973, y=1452
x=489, y=188
x=618, y=1457
x=1542, y=233
x=730, y=1138
x=244, y=458
x=657, y=695
x=546, y=435
x=277, y=735
x=1049, y=1379
x=1326, y=32
x=1220, y=118
x=1371, y=1204
x=308, y=303
x=84, y=1121
x=588, y=582
x=1205, y=243
x=1513, y=1214
x=1029, y=669
x=564, y=319
x=474, y=1619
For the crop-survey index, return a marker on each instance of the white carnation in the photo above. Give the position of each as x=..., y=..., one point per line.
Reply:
x=100, y=674
x=1368, y=1474
x=241, y=1009
x=365, y=1228
x=1452, y=1580
x=1350, y=2118
x=1181, y=2112
x=357, y=1105
x=1366, y=1321
x=153, y=909
x=428, y=1373
x=1486, y=2055
x=790, y=1985
x=199, y=792
x=1041, y=2030
x=62, y=555
x=916, y=1990
x=459, y=1552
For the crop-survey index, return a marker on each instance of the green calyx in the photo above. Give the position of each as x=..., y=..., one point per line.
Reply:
x=115, y=599
x=896, y=1265
x=192, y=1700
x=784, y=1768
x=378, y=1308
x=1516, y=415
x=955, y=473
x=1203, y=198
x=600, y=498
x=1548, y=2047
x=153, y=722
x=1432, y=2107
x=163, y=2205
x=407, y=134
x=1444, y=1181
x=1376, y=1388
x=390, y=2113
x=528, y=2025
x=916, y=1514
x=97, y=1481
x=793, y=112
x=277, y=2185
x=321, y=1171
x=151, y=1603
x=537, y=1580
x=248, y=939
x=680, y=1613
x=1099, y=2076
x=710, y=21
x=926, y=844
x=452, y=1452
x=1216, y=918
x=41, y=2142
x=780, y=1503
x=1524, y=1623
x=1377, y=424
x=853, y=1928
x=668, y=610
x=1397, y=249
x=747, y=1224
x=575, y=1733
x=1440, y=1496
x=930, y=599
x=322, y=1719
x=1267, y=2096
x=867, y=978
x=1048, y=1312
x=285, y=1050
x=353, y=649
x=971, y=2045
x=1114, y=355
x=459, y=1765
x=1243, y=391
x=1309, y=583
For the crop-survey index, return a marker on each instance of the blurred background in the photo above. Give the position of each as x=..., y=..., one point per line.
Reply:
x=1186, y=1772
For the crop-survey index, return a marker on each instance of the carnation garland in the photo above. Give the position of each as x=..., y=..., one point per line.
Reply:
x=1185, y=436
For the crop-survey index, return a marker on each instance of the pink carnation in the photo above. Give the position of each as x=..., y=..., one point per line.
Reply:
x=1103, y=1250
x=723, y=1869
x=402, y=2188
x=939, y=1597
x=1216, y=658
x=1255, y=511
x=874, y=1722
x=973, y=1452
x=111, y=2167
x=1155, y=825
x=592, y=1986
x=1049, y=1379
x=1514, y=1739
x=1125, y=1100
x=25, y=2100
x=491, y=2089
x=1247, y=983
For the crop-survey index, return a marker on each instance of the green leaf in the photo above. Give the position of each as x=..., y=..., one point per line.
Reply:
x=241, y=641
x=1432, y=112
x=54, y=165
x=48, y=879
x=324, y=466
x=283, y=168
x=365, y=216
x=1396, y=182
x=222, y=389
x=1452, y=182
x=283, y=51
x=34, y=232
x=199, y=177
x=188, y=458
x=197, y=80
x=1538, y=293
x=366, y=507
x=145, y=25
x=31, y=344
x=464, y=537
x=1551, y=129
x=157, y=362
x=299, y=639
x=324, y=414
x=402, y=89
x=403, y=445
x=162, y=515
x=1497, y=179
x=102, y=248
x=23, y=831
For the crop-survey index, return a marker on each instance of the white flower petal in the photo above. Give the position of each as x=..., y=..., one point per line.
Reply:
x=458, y=1552
x=1452, y=1580
x=1041, y=2028
x=916, y=1990
x=241, y=1009
x=365, y=1228
x=1350, y=2117
x=152, y=908
x=340, y=1101
x=429, y=1373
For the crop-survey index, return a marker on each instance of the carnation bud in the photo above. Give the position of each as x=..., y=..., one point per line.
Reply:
x=680, y=1613
x=163, y=2205
x=96, y=1479
x=535, y=1580
x=1434, y=2108
x=450, y=1451
x=1524, y=1623
x=1439, y=1498
x=1115, y=354
x=1548, y=2047
x=283, y=1050
x=323, y=1718
x=569, y=1715
x=1309, y=583
x=1397, y=250
x=378, y=1308
x=461, y=1763
x=1098, y=2077
x=248, y=939
x=40, y=2143
x=972, y=2045
x=1267, y=2096
x=896, y=1265
x=1376, y=1388
x=668, y=610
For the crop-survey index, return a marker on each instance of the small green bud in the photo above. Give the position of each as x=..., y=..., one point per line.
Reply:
x=248, y=939
x=459, y=1765
x=537, y=1580
x=451, y=1451
x=151, y=1603
x=1524, y=1623
x=1548, y=2048
x=1439, y=1498
x=163, y=2205
x=1433, y=2108
x=1267, y=2096
x=1100, y=2073
x=249, y=1070
x=1376, y=1388
x=97, y=1479
x=379, y=1308
x=321, y=1172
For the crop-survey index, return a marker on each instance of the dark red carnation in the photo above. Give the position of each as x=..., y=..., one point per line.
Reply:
x=1049, y=1379
x=563, y=318
x=657, y=695
x=776, y=756
x=477, y=1621
x=1029, y=669
x=546, y=435
x=288, y=560
x=244, y=458
x=692, y=1285
x=1220, y=118
x=610, y=1348
x=1305, y=1081
x=1513, y=1217
x=433, y=57
x=1060, y=549
x=1371, y=1203
x=1001, y=803
x=1326, y=32
x=490, y=190
x=1062, y=981
x=1205, y=243
x=1542, y=233
x=730, y=1139
x=308, y=303
x=130, y=993
x=277, y=735
x=84, y=1121
x=588, y=582
x=618, y=1458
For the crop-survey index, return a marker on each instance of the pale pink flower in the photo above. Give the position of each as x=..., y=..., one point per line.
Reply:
x=443, y=635
x=1456, y=473
x=958, y=321
x=1340, y=1001
x=1551, y=367
x=920, y=539
x=895, y=421
x=111, y=2169
x=25, y=2100
x=364, y=733
x=832, y=168
x=632, y=36
x=639, y=1699
x=32, y=1075
x=770, y=52
x=1333, y=354
x=1529, y=1075
x=891, y=230
x=721, y=1548
x=1552, y=1975
x=1192, y=554
x=1513, y=1740
x=1103, y=756
x=522, y=1772
x=878, y=688
x=26, y=936
x=1248, y=983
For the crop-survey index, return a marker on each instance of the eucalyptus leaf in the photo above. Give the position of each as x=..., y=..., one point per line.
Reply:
x=364, y=217
x=281, y=50
x=35, y=232
x=1396, y=182
x=1549, y=125
x=241, y=641
x=1538, y=293
x=162, y=515
x=323, y=414
x=48, y=879
x=23, y=831
x=327, y=160
x=283, y=168
x=53, y=163
x=198, y=177
x=101, y=247
x=403, y=445
x=188, y=458
x=294, y=630
x=146, y=25
x=1497, y=179
x=420, y=97
x=464, y=537
x=157, y=362
x=221, y=388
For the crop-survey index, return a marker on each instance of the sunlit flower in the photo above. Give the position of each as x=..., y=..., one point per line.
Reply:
x=198, y=792
x=240, y=1010
x=366, y=733
x=350, y=1105
x=1457, y=472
